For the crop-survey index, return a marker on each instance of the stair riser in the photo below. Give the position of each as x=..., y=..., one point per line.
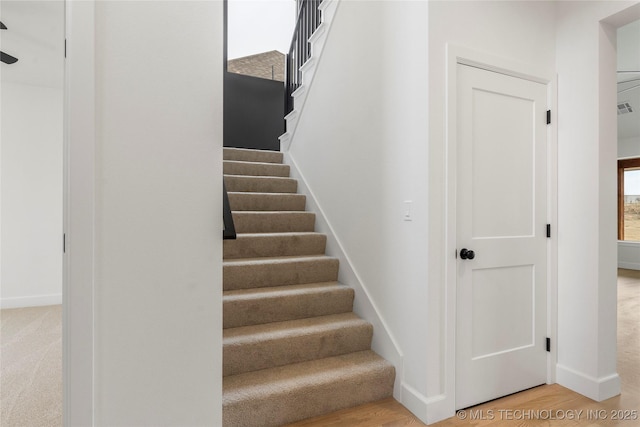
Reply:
x=246, y=276
x=260, y=184
x=254, y=169
x=257, y=246
x=269, y=353
x=262, y=156
x=245, y=312
x=286, y=406
x=279, y=222
x=266, y=202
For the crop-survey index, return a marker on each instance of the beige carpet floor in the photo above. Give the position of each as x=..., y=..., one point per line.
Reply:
x=31, y=367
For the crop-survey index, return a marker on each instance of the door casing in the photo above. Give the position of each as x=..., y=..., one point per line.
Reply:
x=460, y=55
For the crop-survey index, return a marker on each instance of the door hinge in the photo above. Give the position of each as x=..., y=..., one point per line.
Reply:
x=548, y=117
x=548, y=344
x=549, y=231
x=64, y=243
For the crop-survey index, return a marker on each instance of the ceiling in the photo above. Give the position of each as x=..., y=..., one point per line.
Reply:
x=34, y=35
x=629, y=61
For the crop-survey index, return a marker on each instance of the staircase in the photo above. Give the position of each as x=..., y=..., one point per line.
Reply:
x=293, y=348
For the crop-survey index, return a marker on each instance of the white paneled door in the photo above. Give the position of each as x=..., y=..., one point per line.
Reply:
x=501, y=235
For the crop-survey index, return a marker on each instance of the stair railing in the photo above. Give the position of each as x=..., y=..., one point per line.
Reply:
x=229, y=227
x=300, y=49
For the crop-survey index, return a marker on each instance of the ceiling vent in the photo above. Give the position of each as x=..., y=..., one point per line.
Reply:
x=624, y=108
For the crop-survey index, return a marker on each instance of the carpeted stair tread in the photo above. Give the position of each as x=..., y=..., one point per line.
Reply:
x=276, y=396
x=260, y=184
x=273, y=222
x=249, y=155
x=245, y=201
x=233, y=167
x=250, y=348
x=274, y=245
x=278, y=271
x=245, y=307
x=292, y=346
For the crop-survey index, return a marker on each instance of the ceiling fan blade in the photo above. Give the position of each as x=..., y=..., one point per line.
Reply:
x=7, y=59
x=2, y=26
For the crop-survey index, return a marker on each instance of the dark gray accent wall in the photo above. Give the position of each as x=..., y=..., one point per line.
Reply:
x=253, y=112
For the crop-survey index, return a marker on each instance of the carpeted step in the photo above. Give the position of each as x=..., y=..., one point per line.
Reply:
x=277, y=396
x=274, y=245
x=248, y=155
x=247, y=307
x=273, y=222
x=260, y=184
x=233, y=167
x=292, y=346
x=266, y=201
x=267, y=272
x=251, y=348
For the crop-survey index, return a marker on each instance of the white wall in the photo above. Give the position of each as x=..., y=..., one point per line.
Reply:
x=31, y=243
x=520, y=33
x=364, y=149
x=379, y=139
x=158, y=213
x=361, y=145
x=629, y=255
x=31, y=145
x=629, y=49
x=586, y=63
x=629, y=147
x=629, y=59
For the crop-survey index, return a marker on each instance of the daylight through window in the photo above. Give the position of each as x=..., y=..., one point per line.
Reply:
x=629, y=199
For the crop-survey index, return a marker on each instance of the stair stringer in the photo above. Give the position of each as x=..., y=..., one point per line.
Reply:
x=383, y=343
x=317, y=40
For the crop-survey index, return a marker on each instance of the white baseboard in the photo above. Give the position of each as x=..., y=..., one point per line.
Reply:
x=439, y=408
x=428, y=409
x=629, y=265
x=383, y=343
x=629, y=255
x=598, y=389
x=31, y=301
x=415, y=402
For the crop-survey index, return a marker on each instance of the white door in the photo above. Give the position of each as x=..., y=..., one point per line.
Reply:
x=501, y=217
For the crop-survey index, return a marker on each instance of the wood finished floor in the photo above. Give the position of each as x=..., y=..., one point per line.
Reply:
x=533, y=407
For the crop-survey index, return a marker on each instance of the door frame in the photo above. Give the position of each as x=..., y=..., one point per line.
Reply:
x=460, y=55
x=78, y=283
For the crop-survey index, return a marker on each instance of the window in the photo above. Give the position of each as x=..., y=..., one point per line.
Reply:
x=629, y=199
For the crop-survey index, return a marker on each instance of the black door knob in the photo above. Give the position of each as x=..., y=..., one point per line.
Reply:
x=467, y=254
